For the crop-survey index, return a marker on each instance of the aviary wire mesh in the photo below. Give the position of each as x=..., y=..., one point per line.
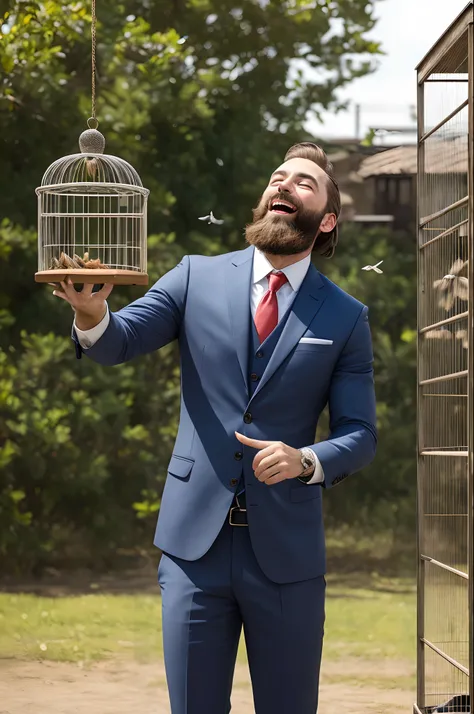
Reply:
x=445, y=375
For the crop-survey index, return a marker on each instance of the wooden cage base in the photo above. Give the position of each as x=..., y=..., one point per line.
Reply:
x=95, y=276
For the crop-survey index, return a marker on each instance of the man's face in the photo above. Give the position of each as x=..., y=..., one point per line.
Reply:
x=288, y=217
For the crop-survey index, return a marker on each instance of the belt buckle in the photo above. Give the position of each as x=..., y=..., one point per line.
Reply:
x=240, y=510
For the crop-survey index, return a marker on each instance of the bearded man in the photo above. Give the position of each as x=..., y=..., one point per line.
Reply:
x=265, y=342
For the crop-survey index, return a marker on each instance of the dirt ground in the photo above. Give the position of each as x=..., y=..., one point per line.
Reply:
x=123, y=687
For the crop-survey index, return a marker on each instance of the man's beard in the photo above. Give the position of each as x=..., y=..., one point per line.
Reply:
x=275, y=234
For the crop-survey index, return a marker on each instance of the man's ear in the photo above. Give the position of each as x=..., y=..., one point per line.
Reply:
x=328, y=223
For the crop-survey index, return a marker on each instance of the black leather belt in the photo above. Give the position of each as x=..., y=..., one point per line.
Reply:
x=238, y=511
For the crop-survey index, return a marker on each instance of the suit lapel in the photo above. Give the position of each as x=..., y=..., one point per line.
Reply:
x=306, y=305
x=239, y=275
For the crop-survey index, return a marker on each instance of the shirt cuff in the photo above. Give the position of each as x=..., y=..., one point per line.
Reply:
x=88, y=338
x=318, y=475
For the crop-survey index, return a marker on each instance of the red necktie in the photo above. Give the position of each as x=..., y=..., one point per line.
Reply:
x=266, y=317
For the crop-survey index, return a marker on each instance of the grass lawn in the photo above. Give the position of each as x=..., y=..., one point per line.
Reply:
x=370, y=619
x=373, y=618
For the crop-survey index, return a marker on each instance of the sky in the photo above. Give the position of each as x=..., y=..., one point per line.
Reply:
x=406, y=29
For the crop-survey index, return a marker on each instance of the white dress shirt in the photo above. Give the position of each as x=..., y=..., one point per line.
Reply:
x=261, y=269
x=286, y=294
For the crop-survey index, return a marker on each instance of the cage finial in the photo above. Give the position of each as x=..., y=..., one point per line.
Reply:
x=92, y=141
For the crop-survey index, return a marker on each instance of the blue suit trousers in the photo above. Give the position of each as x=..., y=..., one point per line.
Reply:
x=206, y=603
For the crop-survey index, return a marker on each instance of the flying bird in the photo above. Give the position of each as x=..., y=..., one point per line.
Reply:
x=452, y=285
x=374, y=267
x=210, y=219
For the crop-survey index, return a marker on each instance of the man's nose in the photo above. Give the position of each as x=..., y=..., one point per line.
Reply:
x=285, y=185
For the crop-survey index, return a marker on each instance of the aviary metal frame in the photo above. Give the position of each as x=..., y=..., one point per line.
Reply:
x=445, y=438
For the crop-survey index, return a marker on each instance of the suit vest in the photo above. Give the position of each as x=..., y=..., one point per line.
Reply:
x=259, y=354
x=259, y=357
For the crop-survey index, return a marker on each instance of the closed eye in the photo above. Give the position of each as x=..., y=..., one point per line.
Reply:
x=306, y=185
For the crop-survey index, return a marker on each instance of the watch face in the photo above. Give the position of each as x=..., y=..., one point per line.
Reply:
x=306, y=462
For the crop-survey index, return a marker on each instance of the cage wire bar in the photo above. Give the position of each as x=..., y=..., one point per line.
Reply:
x=445, y=508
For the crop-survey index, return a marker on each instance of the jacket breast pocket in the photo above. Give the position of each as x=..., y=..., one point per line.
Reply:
x=305, y=492
x=180, y=467
x=314, y=347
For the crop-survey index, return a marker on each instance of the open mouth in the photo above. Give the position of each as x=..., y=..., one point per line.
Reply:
x=283, y=207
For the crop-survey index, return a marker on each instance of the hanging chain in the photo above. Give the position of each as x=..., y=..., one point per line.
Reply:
x=94, y=42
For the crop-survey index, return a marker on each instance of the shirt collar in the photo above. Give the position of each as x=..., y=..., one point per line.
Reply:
x=295, y=273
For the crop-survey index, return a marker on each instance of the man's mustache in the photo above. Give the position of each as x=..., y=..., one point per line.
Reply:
x=284, y=196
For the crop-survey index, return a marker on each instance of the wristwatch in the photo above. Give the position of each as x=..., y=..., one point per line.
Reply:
x=308, y=464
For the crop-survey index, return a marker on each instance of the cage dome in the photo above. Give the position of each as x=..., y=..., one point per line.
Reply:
x=92, y=210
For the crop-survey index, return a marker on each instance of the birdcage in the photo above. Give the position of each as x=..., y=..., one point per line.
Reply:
x=92, y=218
x=445, y=372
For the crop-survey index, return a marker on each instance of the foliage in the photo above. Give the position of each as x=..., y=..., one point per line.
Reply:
x=203, y=98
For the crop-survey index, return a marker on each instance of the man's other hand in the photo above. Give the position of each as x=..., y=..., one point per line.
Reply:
x=275, y=460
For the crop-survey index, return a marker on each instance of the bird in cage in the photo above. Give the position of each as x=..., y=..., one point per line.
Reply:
x=452, y=285
x=210, y=219
x=446, y=334
x=76, y=262
x=375, y=267
x=91, y=165
x=441, y=334
x=463, y=336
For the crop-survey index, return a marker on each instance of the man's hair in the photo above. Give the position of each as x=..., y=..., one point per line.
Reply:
x=325, y=242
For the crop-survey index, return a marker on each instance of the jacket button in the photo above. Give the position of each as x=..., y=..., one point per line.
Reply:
x=247, y=418
x=259, y=354
x=238, y=455
x=234, y=481
x=254, y=377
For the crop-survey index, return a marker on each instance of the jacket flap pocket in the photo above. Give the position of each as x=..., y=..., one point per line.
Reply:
x=305, y=492
x=180, y=467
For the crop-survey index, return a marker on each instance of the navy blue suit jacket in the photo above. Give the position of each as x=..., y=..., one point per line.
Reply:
x=204, y=304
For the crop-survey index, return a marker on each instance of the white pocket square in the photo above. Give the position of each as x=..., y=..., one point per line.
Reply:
x=315, y=341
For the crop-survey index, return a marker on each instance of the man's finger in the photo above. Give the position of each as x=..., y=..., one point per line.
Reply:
x=268, y=462
x=254, y=443
x=269, y=473
x=278, y=478
x=87, y=289
x=68, y=286
x=263, y=454
x=105, y=291
x=62, y=295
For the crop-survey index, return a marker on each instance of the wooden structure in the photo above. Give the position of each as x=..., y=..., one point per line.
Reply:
x=445, y=371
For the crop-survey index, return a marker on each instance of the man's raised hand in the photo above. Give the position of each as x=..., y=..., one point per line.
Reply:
x=90, y=307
